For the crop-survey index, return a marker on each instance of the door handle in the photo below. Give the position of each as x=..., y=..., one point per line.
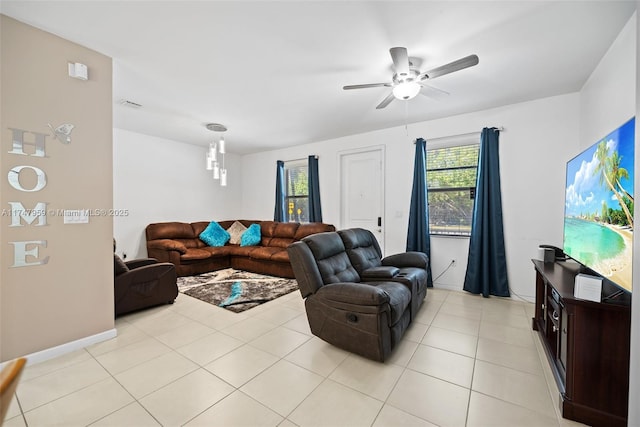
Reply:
x=379, y=221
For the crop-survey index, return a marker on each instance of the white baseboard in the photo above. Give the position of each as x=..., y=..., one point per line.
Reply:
x=59, y=350
x=521, y=298
x=446, y=287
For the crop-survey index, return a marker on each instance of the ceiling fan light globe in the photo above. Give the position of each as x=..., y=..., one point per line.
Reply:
x=406, y=90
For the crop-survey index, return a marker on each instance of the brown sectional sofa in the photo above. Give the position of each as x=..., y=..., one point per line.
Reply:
x=178, y=243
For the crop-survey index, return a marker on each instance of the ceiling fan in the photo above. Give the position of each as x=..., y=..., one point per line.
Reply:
x=407, y=80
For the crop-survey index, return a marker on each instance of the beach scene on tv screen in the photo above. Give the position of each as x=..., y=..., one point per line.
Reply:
x=598, y=223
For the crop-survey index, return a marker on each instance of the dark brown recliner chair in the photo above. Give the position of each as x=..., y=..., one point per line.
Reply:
x=408, y=268
x=367, y=318
x=143, y=283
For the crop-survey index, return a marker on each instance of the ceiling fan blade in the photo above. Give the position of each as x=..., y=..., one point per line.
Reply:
x=400, y=61
x=433, y=92
x=364, y=86
x=460, y=64
x=385, y=101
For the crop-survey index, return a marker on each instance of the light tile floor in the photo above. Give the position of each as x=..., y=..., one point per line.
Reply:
x=465, y=361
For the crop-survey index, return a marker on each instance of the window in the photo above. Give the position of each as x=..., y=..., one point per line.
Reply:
x=451, y=184
x=296, y=191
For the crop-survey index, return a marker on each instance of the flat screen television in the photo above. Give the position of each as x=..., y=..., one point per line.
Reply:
x=598, y=219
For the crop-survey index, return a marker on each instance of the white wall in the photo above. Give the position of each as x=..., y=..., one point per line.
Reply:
x=160, y=180
x=607, y=100
x=634, y=373
x=539, y=137
x=57, y=291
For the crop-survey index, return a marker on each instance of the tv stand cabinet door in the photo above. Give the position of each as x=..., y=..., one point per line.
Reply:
x=563, y=356
x=597, y=378
x=539, y=322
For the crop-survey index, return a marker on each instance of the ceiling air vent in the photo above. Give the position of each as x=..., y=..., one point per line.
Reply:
x=131, y=104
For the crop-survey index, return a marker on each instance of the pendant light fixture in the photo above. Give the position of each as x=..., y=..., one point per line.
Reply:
x=219, y=171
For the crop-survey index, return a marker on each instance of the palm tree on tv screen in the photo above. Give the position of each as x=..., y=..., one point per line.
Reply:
x=610, y=172
x=617, y=173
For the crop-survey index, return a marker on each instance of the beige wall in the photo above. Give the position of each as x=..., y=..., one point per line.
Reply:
x=71, y=296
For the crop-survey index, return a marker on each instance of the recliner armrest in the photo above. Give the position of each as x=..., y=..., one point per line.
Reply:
x=144, y=274
x=353, y=293
x=382, y=272
x=140, y=262
x=407, y=259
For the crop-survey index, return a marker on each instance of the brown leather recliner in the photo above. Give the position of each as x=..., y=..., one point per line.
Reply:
x=363, y=317
x=143, y=283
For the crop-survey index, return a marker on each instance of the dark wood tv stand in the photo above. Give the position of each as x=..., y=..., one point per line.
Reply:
x=587, y=345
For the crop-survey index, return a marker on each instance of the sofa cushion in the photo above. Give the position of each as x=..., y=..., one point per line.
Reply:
x=235, y=250
x=235, y=231
x=286, y=230
x=312, y=228
x=267, y=253
x=362, y=247
x=217, y=251
x=280, y=256
x=198, y=227
x=252, y=236
x=268, y=228
x=170, y=230
x=333, y=262
x=263, y=252
x=282, y=235
x=191, y=243
x=167, y=245
x=214, y=235
x=195, y=254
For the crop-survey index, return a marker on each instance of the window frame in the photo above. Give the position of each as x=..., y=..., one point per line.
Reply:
x=288, y=165
x=444, y=143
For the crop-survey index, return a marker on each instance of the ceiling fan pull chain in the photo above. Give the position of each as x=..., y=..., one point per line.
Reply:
x=406, y=118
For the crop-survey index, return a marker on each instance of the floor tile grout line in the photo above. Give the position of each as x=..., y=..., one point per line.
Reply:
x=516, y=404
x=551, y=386
x=440, y=304
x=24, y=418
x=66, y=395
x=128, y=392
x=302, y=367
x=473, y=373
x=200, y=366
x=138, y=400
x=135, y=400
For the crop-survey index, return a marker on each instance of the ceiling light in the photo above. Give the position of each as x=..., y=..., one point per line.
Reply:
x=219, y=170
x=406, y=90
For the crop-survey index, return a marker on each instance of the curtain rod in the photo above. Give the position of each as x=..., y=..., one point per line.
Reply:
x=500, y=128
x=304, y=158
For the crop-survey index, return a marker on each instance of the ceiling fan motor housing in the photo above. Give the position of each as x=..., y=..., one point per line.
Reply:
x=410, y=77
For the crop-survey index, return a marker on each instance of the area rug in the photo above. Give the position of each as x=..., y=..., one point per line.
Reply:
x=235, y=290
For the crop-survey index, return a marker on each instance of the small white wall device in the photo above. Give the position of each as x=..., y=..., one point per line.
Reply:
x=78, y=71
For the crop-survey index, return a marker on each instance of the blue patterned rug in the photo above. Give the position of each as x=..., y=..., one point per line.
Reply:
x=235, y=290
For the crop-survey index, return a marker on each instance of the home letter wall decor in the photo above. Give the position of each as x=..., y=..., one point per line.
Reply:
x=18, y=213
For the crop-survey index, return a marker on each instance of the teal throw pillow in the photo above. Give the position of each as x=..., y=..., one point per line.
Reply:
x=252, y=236
x=214, y=235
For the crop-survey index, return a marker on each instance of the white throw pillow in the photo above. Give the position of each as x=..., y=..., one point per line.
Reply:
x=236, y=231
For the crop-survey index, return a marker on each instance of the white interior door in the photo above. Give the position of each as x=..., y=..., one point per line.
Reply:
x=362, y=191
